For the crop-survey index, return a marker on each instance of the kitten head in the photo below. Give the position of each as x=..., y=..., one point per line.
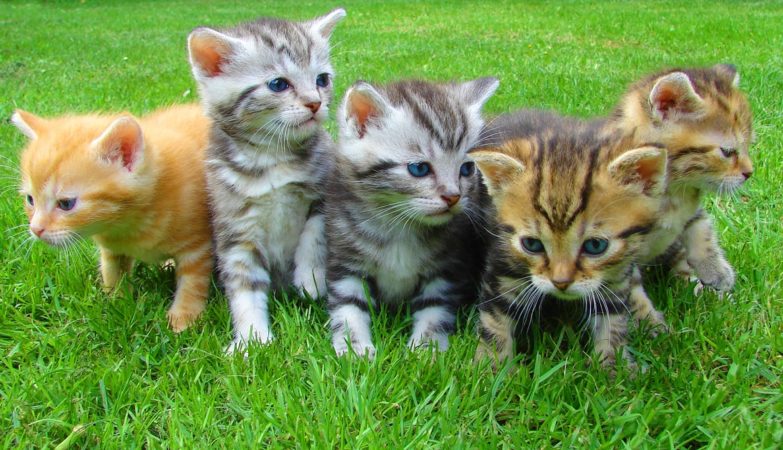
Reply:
x=571, y=213
x=702, y=118
x=405, y=146
x=79, y=173
x=266, y=81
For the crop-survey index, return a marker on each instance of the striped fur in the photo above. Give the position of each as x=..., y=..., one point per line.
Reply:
x=565, y=188
x=265, y=150
x=399, y=237
x=697, y=114
x=138, y=190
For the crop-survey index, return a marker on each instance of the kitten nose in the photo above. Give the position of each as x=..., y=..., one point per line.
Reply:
x=562, y=284
x=450, y=200
x=38, y=231
x=747, y=174
x=313, y=106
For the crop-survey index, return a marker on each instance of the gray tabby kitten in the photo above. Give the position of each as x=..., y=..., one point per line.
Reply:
x=402, y=207
x=267, y=85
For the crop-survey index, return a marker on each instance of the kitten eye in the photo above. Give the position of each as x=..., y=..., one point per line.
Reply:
x=467, y=169
x=728, y=152
x=532, y=245
x=66, y=204
x=30, y=200
x=322, y=80
x=418, y=170
x=595, y=246
x=278, y=85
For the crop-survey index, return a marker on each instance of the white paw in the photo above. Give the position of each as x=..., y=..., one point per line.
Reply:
x=366, y=350
x=312, y=284
x=439, y=341
x=240, y=343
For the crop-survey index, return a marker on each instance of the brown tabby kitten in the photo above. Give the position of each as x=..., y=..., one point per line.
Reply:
x=704, y=121
x=136, y=186
x=572, y=218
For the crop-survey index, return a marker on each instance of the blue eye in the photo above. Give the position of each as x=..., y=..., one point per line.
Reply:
x=595, y=246
x=532, y=245
x=467, y=169
x=66, y=204
x=322, y=80
x=278, y=85
x=30, y=200
x=418, y=170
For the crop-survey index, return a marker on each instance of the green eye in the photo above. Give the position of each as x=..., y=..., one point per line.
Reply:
x=532, y=245
x=595, y=246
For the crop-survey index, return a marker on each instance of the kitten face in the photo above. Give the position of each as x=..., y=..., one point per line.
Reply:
x=573, y=218
x=406, y=145
x=705, y=122
x=78, y=173
x=269, y=80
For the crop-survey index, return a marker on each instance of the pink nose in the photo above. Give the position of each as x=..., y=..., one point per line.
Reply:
x=450, y=200
x=313, y=106
x=747, y=174
x=562, y=284
x=38, y=231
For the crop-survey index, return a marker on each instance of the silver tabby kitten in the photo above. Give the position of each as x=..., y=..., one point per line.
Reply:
x=402, y=208
x=267, y=85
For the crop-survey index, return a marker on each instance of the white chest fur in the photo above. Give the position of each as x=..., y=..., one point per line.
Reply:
x=399, y=268
x=675, y=214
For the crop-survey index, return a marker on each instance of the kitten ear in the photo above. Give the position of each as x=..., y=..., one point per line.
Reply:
x=28, y=123
x=477, y=92
x=497, y=169
x=641, y=169
x=364, y=105
x=208, y=50
x=122, y=143
x=324, y=25
x=673, y=97
x=729, y=72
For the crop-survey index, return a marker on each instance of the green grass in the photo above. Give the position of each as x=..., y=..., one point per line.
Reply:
x=71, y=356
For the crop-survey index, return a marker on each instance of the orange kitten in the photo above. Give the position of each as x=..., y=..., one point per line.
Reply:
x=136, y=186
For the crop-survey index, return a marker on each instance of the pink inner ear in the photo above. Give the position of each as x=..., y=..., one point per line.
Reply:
x=208, y=53
x=666, y=100
x=648, y=169
x=362, y=109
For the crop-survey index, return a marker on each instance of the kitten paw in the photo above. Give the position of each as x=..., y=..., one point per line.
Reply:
x=240, y=344
x=308, y=286
x=719, y=277
x=656, y=324
x=439, y=341
x=180, y=321
x=363, y=350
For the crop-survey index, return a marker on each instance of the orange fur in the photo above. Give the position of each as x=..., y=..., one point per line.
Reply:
x=140, y=193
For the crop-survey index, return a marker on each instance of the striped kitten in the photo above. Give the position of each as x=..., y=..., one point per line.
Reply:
x=267, y=85
x=572, y=213
x=135, y=186
x=403, y=208
x=705, y=122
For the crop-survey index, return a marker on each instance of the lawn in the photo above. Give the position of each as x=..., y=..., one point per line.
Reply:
x=81, y=368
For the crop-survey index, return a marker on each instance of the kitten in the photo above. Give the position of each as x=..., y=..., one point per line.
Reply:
x=136, y=186
x=704, y=121
x=572, y=211
x=267, y=85
x=403, y=210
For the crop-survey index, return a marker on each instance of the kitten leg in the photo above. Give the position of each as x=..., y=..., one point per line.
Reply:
x=705, y=255
x=496, y=336
x=610, y=334
x=193, y=271
x=434, y=315
x=310, y=258
x=349, y=317
x=113, y=267
x=642, y=307
x=245, y=274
